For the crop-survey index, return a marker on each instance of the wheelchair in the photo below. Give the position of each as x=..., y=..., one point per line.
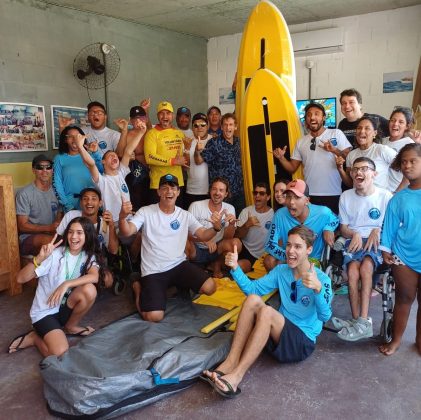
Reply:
x=121, y=268
x=331, y=264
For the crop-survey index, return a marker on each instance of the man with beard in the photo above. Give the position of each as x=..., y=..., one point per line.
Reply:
x=298, y=211
x=163, y=261
x=316, y=151
x=183, y=119
x=164, y=150
x=253, y=227
x=214, y=250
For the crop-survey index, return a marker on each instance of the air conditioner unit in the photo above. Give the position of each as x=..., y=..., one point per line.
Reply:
x=323, y=41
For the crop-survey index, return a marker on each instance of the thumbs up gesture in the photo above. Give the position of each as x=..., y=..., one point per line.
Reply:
x=231, y=258
x=310, y=280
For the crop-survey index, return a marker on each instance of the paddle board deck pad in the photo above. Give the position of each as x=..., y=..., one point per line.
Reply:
x=131, y=363
x=266, y=43
x=269, y=119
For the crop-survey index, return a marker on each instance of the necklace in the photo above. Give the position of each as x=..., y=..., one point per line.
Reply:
x=69, y=276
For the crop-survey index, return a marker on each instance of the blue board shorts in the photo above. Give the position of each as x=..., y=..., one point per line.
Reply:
x=376, y=257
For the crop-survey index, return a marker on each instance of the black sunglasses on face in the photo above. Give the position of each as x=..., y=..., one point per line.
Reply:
x=293, y=295
x=313, y=144
x=262, y=193
x=198, y=125
x=41, y=167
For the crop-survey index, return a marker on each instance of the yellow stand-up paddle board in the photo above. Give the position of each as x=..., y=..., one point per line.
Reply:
x=269, y=119
x=266, y=43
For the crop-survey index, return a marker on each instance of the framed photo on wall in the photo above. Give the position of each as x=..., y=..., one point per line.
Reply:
x=61, y=116
x=22, y=128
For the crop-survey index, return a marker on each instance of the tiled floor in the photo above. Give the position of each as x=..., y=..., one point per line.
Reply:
x=339, y=381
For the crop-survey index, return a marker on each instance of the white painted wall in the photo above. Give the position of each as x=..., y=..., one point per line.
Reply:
x=375, y=43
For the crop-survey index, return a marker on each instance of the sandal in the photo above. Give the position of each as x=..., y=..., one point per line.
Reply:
x=339, y=323
x=361, y=328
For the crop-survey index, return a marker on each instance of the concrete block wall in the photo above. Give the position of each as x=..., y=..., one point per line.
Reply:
x=375, y=43
x=40, y=41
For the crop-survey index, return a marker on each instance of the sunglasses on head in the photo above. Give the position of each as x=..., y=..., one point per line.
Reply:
x=313, y=144
x=198, y=125
x=261, y=193
x=293, y=295
x=41, y=167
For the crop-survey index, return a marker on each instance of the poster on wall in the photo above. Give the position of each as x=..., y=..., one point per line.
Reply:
x=402, y=81
x=61, y=116
x=226, y=96
x=22, y=127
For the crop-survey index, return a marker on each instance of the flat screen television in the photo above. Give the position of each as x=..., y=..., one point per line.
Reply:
x=330, y=108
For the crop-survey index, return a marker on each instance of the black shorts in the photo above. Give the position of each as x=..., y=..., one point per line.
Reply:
x=245, y=255
x=54, y=322
x=154, y=286
x=293, y=346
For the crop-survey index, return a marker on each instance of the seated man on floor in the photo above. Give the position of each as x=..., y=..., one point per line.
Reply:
x=361, y=213
x=289, y=333
x=213, y=251
x=37, y=208
x=253, y=226
x=163, y=261
x=90, y=203
x=299, y=211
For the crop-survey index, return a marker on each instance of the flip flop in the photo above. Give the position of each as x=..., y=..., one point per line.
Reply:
x=20, y=337
x=205, y=378
x=226, y=394
x=82, y=333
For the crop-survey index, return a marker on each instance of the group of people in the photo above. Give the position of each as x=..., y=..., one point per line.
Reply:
x=173, y=192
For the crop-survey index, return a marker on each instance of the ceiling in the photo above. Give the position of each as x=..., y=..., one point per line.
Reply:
x=210, y=18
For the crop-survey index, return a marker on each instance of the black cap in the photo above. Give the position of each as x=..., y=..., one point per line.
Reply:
x=40, y=158
x=91, y=189
x=199, y=116
x=183, y=110
x=137, y=111
x=314, y=105
x=214, y=107
x=168, y=179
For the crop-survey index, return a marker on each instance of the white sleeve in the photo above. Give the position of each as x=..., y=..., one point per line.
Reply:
x=296, y=154
x=138, y=219
x=193, y=224
x=244, y=215
x=388, y=154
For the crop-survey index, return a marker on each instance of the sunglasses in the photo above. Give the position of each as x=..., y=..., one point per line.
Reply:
x=293, y=295
x=313, y=144
x=42, y=167
x=261, y=193
x=198, y=125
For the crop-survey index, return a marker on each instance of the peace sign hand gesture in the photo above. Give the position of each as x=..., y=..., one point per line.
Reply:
x=47, y=249
x=310, y=280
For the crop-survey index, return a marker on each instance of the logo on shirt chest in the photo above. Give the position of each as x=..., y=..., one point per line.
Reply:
x=268, y=224
x=175, y=224
x=102, y=144
x=305, y=300
x=374, y=213
x=124, y=188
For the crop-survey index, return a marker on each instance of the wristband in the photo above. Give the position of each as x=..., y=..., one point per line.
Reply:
x=216, y=230
x=34, y=260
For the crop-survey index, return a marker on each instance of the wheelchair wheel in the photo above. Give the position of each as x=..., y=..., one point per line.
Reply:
x=335, y=277
x=119, y=285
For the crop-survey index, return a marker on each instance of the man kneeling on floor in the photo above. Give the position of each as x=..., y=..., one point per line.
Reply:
x=164, y=264
x=289, y=334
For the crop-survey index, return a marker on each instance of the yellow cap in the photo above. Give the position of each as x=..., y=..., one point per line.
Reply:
x=164, y=105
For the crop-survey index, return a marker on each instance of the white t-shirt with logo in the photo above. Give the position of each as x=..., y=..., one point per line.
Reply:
x=382, y=156
x=319, y=166
x=256, y=236
x=51, y=273
x=198, y=175
x=107, y=138
x=200, y=210
x=363, y=213
x=103, y=237
x=113, y=188
x=164, y=237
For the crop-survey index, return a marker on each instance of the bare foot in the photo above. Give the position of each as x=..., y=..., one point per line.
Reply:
x=233, y=380
x=137, y=289
x=389, y=348
x=22, y=342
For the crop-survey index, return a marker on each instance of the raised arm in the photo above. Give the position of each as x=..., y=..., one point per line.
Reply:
x=87, y=158
x=289, y=165
x=133, y=139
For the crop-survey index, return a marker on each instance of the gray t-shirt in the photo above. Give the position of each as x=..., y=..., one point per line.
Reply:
x=41, y=207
